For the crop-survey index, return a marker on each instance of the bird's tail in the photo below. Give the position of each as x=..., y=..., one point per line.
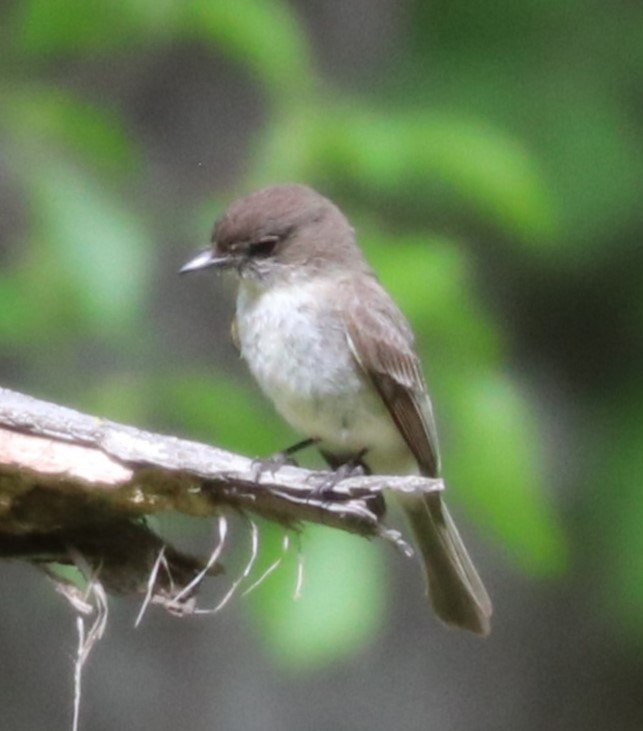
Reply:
x=457, y=592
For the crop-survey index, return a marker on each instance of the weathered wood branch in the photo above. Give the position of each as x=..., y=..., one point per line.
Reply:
x=75, y=484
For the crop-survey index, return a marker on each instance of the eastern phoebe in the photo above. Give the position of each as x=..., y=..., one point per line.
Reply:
x=333, y=352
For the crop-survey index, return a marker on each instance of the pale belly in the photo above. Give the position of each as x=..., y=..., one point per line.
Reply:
x=298, y=352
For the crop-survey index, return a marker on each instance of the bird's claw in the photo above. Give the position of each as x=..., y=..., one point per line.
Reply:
x=324, y=488
x=271, y=464
x=279, y=459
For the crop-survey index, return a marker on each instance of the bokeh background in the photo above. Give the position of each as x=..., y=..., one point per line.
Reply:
x=490, y=156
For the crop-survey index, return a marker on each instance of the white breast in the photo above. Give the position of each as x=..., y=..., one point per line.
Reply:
x=295, y=344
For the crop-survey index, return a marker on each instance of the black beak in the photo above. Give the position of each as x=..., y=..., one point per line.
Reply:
x=205, y=260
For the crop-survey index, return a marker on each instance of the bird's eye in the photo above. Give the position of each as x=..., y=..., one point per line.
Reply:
x=263, y=246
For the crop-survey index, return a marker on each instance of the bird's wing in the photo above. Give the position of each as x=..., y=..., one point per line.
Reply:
x=382, y=343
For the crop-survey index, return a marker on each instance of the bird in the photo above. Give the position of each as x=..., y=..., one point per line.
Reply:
x=333, y=352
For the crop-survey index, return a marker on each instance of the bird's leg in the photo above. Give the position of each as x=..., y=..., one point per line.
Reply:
x=351, y=467
x=342, y=468
x=277, y=460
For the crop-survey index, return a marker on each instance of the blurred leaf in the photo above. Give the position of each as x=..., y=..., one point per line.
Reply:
x=494, y=466
x=342, y=603
x=39, y=118
x=44, y=28
x=615, y=502
x=123, y=397
x=594, y=154
x=211, y=407
x=88, y=237
x=429, y=278
x=286, y=150
x=266, y=37
x=226, y=412
x=406, y=154
x=22, y=320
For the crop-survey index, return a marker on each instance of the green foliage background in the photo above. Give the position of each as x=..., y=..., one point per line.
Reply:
x=492, y=165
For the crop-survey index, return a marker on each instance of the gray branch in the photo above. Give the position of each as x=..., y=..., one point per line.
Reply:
x=72, y=483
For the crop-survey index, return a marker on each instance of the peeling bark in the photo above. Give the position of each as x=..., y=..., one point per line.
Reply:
x=74, y=484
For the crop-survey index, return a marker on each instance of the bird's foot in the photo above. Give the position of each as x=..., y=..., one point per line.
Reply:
x=278, y=460
x=324, y=489
x=271, y=464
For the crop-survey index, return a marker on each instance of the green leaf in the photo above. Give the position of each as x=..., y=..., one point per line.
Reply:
x=596, y=163
x=40, y=118
x=493, y=466
x=225, y=411
x=425, y=157
x=265, y=36
x=125, y=397
x=613, y=505
x=23, y=321
x=342, y=601
x=42, y=28
x=87, y=236
x=430, y=279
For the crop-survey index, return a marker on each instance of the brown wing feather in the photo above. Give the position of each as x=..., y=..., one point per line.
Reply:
x=382, y=343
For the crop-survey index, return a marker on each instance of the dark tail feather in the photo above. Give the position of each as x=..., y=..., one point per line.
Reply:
x=457, y=592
